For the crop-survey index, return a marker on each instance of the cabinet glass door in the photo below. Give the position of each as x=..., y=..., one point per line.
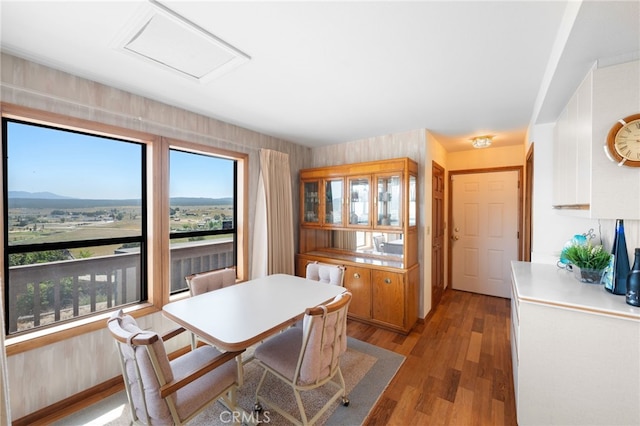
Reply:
x=412, y=201
x=359, y=199
x=311, y=203
x=334, y=200
x=389, y=211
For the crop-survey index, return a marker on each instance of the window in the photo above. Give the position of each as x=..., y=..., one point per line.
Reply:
x=202, y=214
x=99, y=217
x=75, y=224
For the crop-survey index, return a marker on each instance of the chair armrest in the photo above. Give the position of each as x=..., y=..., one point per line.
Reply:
x=216, y=362
x=172, y=333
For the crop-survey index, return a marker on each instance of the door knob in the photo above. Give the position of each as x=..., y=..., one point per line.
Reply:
x=455, y=237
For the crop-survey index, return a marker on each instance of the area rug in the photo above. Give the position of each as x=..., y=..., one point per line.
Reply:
x=367, y=371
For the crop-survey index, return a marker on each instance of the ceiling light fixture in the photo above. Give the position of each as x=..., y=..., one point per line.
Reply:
x=481, y=141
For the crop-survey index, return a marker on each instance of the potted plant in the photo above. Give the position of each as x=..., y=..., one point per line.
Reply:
x=587, y=262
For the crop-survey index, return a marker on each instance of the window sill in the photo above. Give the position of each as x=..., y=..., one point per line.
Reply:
x=39, y=338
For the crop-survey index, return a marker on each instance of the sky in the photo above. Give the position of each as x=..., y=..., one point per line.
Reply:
x=90, y=167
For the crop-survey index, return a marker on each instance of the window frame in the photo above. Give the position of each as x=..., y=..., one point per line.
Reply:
x=157, y=217
x=180, y=235
x=10, y=249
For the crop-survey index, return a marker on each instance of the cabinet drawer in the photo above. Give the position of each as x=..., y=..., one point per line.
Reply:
x=358, y=282
x=388, y=297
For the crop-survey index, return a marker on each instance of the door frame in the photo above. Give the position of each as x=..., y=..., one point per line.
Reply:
x=452, y=173
x=527, y=240
x=436, y=293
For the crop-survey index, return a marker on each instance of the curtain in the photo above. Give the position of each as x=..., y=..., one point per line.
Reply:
x=273, y=246
x=5, y=407
x=259, y=256
x=345, y=240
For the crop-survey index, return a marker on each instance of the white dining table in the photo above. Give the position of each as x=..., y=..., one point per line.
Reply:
x=236, y=317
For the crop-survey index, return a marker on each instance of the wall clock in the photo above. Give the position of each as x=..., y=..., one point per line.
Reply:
x=623, y=141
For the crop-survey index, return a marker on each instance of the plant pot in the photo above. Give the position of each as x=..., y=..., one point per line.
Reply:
x=589, y=276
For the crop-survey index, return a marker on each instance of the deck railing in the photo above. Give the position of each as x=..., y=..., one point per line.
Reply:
x=46, y=293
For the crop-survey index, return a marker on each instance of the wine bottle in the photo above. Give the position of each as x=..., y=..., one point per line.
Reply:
x=620, y=261
x=633, y=281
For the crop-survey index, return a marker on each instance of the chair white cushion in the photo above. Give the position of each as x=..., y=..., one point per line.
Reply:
x=281, y=351
x=211, y=280
x=322, y=353
x=198, y=393
x=188, y=399
x=158, y=410
x=330, y=274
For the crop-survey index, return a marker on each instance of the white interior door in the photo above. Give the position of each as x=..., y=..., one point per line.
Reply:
x=484, y=232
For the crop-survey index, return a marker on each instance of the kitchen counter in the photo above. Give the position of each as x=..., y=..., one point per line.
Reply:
x=550, y=285
x=575, y=350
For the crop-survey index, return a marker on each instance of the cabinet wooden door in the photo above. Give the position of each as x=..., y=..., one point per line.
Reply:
x=358, y=282
x=388, y=297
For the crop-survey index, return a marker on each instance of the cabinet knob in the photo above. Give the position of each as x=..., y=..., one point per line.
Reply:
x=387, y=280
x=356, y=275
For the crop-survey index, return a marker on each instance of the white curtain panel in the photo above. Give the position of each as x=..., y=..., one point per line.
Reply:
x=259, y=255
x=5, y=407
x=278, y=226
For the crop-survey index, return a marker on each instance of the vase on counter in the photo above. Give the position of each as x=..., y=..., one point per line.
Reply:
x=588, y=275
x=618, y=282
x=633, y=281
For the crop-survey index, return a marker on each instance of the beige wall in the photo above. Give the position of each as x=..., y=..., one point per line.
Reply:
x=41, y=377
x=487, y=158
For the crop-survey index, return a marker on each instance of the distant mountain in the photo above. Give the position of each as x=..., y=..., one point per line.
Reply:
x=195, y=201
x=39, y=195
x=43, y=200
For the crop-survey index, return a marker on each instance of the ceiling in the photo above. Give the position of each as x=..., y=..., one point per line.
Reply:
x=328, y=72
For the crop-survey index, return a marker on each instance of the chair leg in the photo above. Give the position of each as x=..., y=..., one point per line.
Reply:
x=257, y=406
x=303, y=413
x=345, y=400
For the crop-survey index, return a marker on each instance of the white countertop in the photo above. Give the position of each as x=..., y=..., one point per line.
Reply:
x=550, y=285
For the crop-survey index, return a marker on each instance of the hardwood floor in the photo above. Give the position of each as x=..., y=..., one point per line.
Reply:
x=458, y=366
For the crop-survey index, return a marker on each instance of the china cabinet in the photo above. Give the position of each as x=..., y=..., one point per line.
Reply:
x=363, y=216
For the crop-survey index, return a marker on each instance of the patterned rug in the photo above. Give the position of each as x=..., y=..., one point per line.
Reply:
x=367, y=371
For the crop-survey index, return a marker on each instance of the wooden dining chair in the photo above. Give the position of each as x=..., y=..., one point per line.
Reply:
x=307, y=358
x=166, y=392
x=204, y=282
x=326, y=273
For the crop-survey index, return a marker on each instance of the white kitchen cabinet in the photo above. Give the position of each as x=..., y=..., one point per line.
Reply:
x=585, y=181
x=575, y=350
x=572, y=150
